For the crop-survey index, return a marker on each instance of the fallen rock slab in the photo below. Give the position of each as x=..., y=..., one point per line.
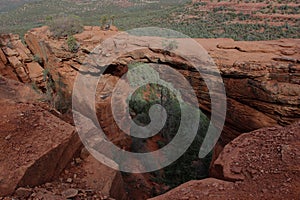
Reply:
x=35, y=72
x=35, y=145
x=271, y=151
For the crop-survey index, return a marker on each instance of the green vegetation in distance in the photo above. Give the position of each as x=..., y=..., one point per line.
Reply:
x=180, y=15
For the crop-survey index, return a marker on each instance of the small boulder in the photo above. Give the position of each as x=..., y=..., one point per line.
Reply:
x=23, y=193
x=35, y=71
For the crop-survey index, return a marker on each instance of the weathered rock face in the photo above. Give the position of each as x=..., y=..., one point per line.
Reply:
x=261, y=78
x=262, y=84
x=35, y=145
x=263, y=164
x=55, y=55
x=17, y=62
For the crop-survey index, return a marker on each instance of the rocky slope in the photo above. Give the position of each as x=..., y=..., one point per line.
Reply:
x=263, y=164
x=40, y=153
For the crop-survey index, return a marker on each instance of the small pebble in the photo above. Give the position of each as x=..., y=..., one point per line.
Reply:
x=69, y=180
x=70, y=193
x=8, y=137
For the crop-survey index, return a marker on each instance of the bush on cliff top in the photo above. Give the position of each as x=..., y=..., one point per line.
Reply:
x=72, y=44
x=65, y=26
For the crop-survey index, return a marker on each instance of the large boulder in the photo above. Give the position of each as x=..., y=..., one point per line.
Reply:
x=35, y=145
x=263, y=164
x=270, y=151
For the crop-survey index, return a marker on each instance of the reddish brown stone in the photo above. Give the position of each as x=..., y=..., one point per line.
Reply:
x=35, y=146
x=3, y=57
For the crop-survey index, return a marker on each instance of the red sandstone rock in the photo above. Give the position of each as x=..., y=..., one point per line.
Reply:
x=13, y=57
x=3, y=57
x=35, y=72
x=22, y=51
x=99, y=177
x=35, y=146
x=19, y=69
x=10, y=52
x=263, y=164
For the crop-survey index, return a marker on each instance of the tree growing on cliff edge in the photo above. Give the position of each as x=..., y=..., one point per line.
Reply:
x=106, y=22
x=103, y=21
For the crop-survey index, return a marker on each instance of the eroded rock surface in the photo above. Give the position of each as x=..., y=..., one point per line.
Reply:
x=17, y=62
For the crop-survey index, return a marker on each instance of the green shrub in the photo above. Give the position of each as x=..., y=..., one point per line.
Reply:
x=184, y=169
x=55, y=92
x=103, y=21
x=65, y=26
x=72, y=44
